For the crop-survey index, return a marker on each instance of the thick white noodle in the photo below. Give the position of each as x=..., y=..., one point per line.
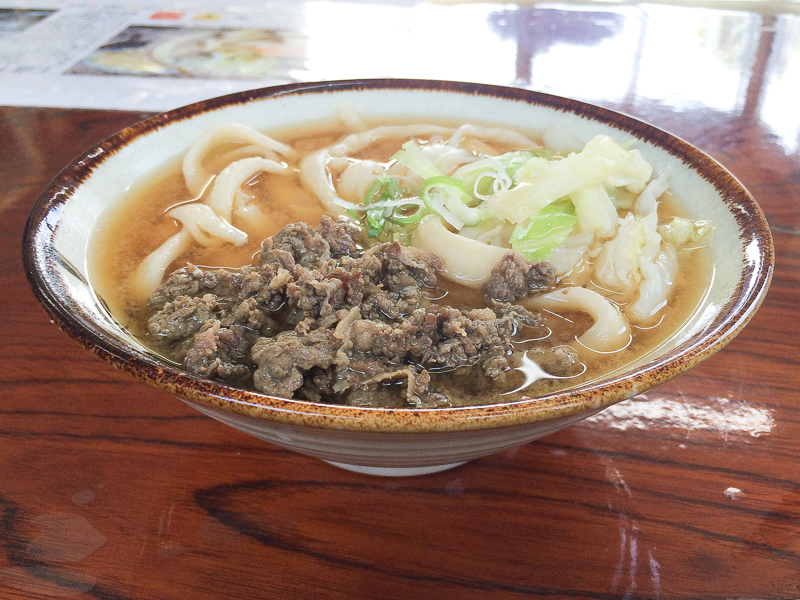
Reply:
x=248, y=152
x=492, y=134
x=358, y=141
x=204, y=222
x=202, y=216
x=357, y=178
x=233, y=177
x=350, y=118
x=466, y=261
x=253, y=217
x=148, y=275
x=196, y=175
x=316, y=177
x=610, y=331
x=447, y=158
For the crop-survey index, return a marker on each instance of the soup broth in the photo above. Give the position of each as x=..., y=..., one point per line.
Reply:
x=139, y=225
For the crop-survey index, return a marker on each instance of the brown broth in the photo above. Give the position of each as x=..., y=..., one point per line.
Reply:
x=118, y=248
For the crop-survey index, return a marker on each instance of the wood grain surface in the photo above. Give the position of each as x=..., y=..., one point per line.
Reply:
x=110, y=489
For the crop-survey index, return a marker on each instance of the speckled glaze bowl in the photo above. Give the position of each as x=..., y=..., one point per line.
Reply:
x=385, y=441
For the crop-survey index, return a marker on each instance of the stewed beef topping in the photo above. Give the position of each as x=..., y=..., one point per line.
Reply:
x=514, y=278
x=320, y=319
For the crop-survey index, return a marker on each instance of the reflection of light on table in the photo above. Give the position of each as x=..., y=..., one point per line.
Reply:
x=778, y=101
x=423, y=41
x=724, y=416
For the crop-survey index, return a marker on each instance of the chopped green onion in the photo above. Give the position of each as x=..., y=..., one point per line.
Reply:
x=410, y=219
x=383, y=191
x=436, y=205
x=471, y=173
x=437, y=193
x=414, y=158
x=499, y=182
x=443, y=181
x=545, y=231
x=399, y=202
x=491, y=175
x=383, y=188
x=383, y=204
x=376, y=222
x=448, y=197
x=396, y=233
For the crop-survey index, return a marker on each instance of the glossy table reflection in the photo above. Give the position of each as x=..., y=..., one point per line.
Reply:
x=112, y=490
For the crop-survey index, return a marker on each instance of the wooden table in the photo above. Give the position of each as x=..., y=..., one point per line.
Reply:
x=113, y=490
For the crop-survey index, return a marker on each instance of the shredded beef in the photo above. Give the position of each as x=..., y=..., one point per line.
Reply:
x=193, y=281
x=311, y=247
x=340, y=237
x=438, y=337
x=514, y=278
x=322, y=320
x=366, y=376
x=183, y=317
x=282, y=360
x=220, y=352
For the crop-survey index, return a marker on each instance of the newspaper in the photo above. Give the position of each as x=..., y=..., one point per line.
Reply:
x=105, y=55
x=155, y=56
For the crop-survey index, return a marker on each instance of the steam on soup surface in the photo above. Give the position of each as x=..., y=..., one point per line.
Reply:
x=401, y=265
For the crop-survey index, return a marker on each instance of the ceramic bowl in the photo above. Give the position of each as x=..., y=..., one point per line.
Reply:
x=385, y=441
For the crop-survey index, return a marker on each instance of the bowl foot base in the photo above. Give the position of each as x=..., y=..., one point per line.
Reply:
x=395, y=471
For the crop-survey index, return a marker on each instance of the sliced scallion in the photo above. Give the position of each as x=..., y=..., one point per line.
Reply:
x=414, y=158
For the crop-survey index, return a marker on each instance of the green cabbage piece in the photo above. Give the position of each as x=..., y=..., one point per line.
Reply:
x=539, y=235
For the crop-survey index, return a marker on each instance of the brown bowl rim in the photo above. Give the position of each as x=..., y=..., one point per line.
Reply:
x=50, y=292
